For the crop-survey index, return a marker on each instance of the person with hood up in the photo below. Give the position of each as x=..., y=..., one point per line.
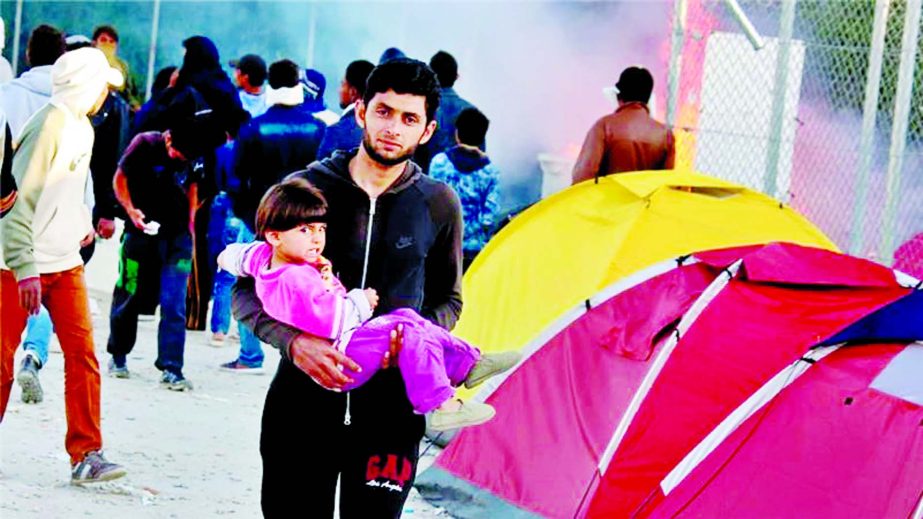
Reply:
x=6, y=70
x=19, y=99
x=23, y=96
x=201, y=71
x=42, y=236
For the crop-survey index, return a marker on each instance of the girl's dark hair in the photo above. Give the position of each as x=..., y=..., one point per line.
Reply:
x=287, y=205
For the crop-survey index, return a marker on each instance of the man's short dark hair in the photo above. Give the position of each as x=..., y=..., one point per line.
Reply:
x=284, y=74
x=357, y=74
x=635, y=84
x=445, y=67
x=254, y=68
x=287, y=205
x=405, y=76
x=106, y=29
x=471, y=126
x=46, y=45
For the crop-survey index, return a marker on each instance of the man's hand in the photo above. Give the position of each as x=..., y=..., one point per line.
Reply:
x=319, y=360
x=136, y=217
x=88, y=239
x=30, y=295
x=105, y=228
x=372, y=296
x=394, y=347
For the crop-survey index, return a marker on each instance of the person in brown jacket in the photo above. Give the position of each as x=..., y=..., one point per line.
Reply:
x=628, y=139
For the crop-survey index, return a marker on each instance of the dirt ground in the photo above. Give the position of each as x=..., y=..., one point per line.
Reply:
x=188, y=455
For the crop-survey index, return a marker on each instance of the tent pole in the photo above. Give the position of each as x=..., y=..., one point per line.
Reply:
x=899, y=128
x=869, y=112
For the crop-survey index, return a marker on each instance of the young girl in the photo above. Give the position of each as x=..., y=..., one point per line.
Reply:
x=296, y=286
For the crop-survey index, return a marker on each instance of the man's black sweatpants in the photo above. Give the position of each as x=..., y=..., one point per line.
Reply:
x=306, y=445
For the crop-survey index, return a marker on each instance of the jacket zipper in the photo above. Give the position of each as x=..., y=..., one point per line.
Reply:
x=347, y=419
x=368, y=241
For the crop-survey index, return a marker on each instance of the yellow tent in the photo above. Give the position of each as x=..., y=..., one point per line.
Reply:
x=567, y=247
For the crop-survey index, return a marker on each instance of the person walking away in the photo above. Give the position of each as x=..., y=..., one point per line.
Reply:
x=345, y=134
x=283, y=140
x=446, y=69
x=628, y=139
x=474, y=178
x=42, y=237
x=202, y=71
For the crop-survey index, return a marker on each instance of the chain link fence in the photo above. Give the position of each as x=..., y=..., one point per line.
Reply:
x=798, y=99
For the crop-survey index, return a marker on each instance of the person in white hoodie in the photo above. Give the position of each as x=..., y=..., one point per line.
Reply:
x=42, y=236
x=23, y=96
x=6, y=70
x=19, y=99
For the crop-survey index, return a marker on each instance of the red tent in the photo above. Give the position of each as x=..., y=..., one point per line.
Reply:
x=615, y=396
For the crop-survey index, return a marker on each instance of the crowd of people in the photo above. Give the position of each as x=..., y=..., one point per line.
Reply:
x=400, y=181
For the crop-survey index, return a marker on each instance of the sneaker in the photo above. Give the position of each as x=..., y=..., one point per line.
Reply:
x=218, y=339
x=95, y=468
x=118, y=368
x=236, y=366
x=491, y=364
x=174, y=381
x=28, y=380
x=468, y=413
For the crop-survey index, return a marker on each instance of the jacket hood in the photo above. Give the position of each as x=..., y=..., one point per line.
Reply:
x=79, y=76
x=467, y=160
x=36, y=79
x=337, y=167
x=201, y=55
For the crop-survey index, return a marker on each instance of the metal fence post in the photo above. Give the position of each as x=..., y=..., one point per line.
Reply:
x=899, y=130
x=17, y=33
x=676, y=59
x=869, y=113
x=312, y=30
x=152, y=52
x=786, y=26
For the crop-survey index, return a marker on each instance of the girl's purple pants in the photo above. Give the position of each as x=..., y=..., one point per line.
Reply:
x=432, y=361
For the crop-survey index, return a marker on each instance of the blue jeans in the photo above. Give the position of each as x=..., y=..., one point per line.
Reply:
x=38, y=334
x=164, y=262
x=233, y=230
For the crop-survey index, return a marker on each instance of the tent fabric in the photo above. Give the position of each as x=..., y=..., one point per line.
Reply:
x=590, y=235
x=901, y=321
x=746, y=335
x=903, y=378
x=557, y=411
x=543, y=461
x=828, y=444
x=789, y=263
